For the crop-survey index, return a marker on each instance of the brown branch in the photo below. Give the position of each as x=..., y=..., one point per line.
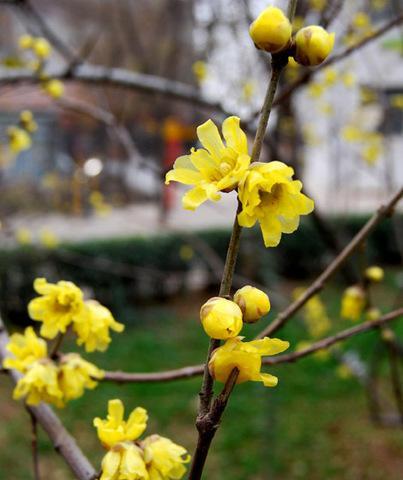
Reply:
x=34, y=445
x=319, y=283
x=62, y=441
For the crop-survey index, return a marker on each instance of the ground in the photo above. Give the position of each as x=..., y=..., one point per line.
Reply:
x=314, y=425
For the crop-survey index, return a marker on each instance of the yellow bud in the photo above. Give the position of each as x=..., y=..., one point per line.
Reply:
x=221, y=318
x=54, y=88
x=387, y=334
x=253, y=302
x=372, y=314
x=271, y=31
x=25, y=42
x=374, y=274
x=313, y=45
x=41, y=47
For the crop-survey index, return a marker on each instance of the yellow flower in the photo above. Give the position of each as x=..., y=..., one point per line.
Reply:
x=248, y=89
x=41, y=47
x=374, y=274
x=271, y=31
x=315, y=90
x=125, y=461
x=270, y=196
x=57, y=306
x=371, y=153
x=53, y=88
x=246, y=357
x=361, y=21
x=313, y=45
x=48, y=239
x=18, y=139
x=214, y=168
x=23, y=236
x=114, y=429
x=353, y=302
x=344, y=372
x=373, y=314
x=387, y=334
x=350, y=133
x=221, y=318
x=349, y=79
x=396, y=101
x=40, y=384
x=75, y=375
x=315, y=315
x=253, y=302
x=92, y=326
x=25, y=42
x=200, y=70
x=26, y=349
x=27, y=121
x=329, y=76
x=164, y=458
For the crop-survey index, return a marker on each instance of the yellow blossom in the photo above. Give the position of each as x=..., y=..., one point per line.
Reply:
x=26, y=348
x=53, y=88
x=248, y=89
x=214, y=168
x=92, y=326
x=271, y=31
x=114, y=429
x=40, y=384
x=75, y=375
x=246, y=357
x=57, y=306
x=18, y=139
x=344, y=372
x=315, y=315
x=313, y=45
x=164, y=458
x=270, y=196
x=387, y=334
x=25, y=42
x=396, y=101
x=350, y=133
x=353, y=302
x=221, y=318
x=368, y=95
x=27, y=121
x=349, y=79
x=125, y=461
x=253, y=302
x=372, y=314
x=23, y=236
x=329, y=76
x=315, y=89
x=200, y=70
x=362, y=21
x=371, y=153
x=374, y=274
x=41, y=47
x=48, y=239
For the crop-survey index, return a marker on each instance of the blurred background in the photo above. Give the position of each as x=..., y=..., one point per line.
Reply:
x=87, y=203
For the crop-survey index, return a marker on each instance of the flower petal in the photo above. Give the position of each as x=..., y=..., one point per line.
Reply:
x=210, y=138
x=234, y=136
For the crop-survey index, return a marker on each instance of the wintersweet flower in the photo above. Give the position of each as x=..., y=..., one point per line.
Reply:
x=92, y=326
x=25, y=42
x=200, y=70
x=57, y=306
x=27, y=121
x=18, y=139
x=54, y=88
x=26, y=348
x=253, y=302
x=115, y=429
x=164, y=458
x=353, y=302
x=374, y=274
x=221, y=318
x=373, y=314
x=271, y=31
x=75, y=375
x=315, y=315
x=313, y=45
x=270, y=196
x=247, y=358
x=40, y=384
x=125, y=461
x=41, y=47
x=214, y=168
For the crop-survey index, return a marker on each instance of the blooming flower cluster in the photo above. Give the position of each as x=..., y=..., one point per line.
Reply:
x=223, y=319
x=41, y=50
x=59, y=378
x=128, y=458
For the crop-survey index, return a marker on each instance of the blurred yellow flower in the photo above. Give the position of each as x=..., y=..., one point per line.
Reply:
x=26, y=348
x=164, y=458
x=57, y=306
x=374, y=273
x=48, y=239
x=75, y=375
x=271, y=31
x=92, y=326
x=270, y=196
x=27, y=121
x=344, y=372
x=330, y=76
x=41, y=47
x=25, y=42
x=247, y=358
x=200, y=70
x=313, y=45
x=315, y=89
x=317, y=5
x=221, y=318
x=23, y=236
x=315, y=315
x=361, y=21
x=353, y=302
x=253, y=302
x=114, y=429
x=248, y=89
x=371, y=153
x=214, y=168
x=373, y=314
x=349, y=79
x=396, y=101
x=40, y=384
x=125, y=461
x=53, y=87
x=18, y=139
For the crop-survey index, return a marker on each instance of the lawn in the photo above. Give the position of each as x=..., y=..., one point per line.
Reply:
x=314, y=425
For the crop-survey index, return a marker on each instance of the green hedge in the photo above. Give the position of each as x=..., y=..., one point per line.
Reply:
x=129, y=271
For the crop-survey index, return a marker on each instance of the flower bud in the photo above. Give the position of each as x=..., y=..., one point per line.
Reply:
x=221, y=318
x=25, y=42
x=374, y=274
x=253, y=302
x=313, y=45
x=41, y=47
x=271, y=31
x=373, y=314
x=353, y=302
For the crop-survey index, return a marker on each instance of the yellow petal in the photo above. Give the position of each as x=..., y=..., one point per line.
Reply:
x=116, y=411
x=137, y=423
x=110, y=465
x=269, y=346
x=234, y=136
x=182, y=175
x=196, y=196
x=210, y=138
x=271, y=230
x=268, y=380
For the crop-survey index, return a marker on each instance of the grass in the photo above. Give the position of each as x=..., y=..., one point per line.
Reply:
x=313, y=426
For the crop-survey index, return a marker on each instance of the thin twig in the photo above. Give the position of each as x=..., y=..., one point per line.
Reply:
x=34, y=445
